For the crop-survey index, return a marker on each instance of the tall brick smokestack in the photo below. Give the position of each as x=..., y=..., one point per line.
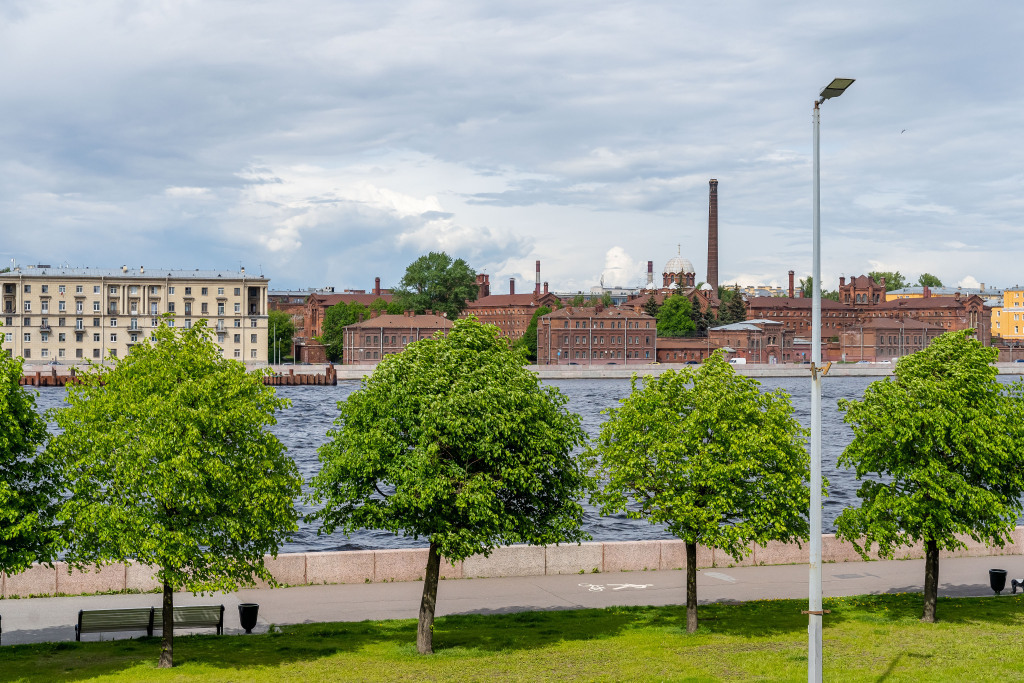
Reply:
x=536, y=286
x=791, y=284
x=376, y=286
x=713, y=235
x=650, y=273
x=511, y=285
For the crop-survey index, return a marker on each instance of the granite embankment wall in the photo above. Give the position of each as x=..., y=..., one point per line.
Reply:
x=363, y=566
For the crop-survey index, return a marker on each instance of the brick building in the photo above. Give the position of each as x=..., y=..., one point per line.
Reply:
x=370, y=340
x=684, y=349
x=882, y=339
x=598, y=335
x=756, y=341
x=317, y=305
x=511, y=312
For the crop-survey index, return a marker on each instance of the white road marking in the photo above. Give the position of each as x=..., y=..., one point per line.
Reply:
x=598, y=587
x=720, y=576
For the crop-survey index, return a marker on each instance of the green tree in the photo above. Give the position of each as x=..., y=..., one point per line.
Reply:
x=29, y=485
x=606, y=300
x=169, y=463
x=578, y=301
x=282, y=329
x=455, y=441
x=651, y=305
x=336, y=319
x=807, y=291
x=709, y=456
x=733, y=309
x=528, y=342
x=928, y=280
x=381, y=306
x=938, y=448
x=674, y=317
x=893, y=280
x=437, y=282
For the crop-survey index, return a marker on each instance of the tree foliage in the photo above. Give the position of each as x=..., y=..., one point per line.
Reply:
x=437, y=282
x=938, y=450
x=709, y=456
x=29, y=482
x=807, y=290
x=674, y=319
x=733, y=309
x=528, y=342
x=651, y=306
x=578, y=301
x=928, y=280
x=454, y=441
x=169, y=463
x=893, y=280
x=336, y=319
x=282, y=330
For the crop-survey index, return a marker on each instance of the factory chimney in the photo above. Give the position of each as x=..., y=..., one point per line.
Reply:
x=791, y=284
x=511, y=285
x=536, y=286
x=713, y=235
x=376, y=286
x=650, y=274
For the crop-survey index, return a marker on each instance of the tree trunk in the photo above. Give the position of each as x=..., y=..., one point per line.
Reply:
x=425, y=630
x=691, y=587
x=931, y=580
x=167, y=642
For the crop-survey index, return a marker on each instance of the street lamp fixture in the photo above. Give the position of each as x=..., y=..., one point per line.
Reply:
x=814, y=612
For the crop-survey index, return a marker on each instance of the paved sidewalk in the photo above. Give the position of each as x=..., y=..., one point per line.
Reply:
x=36, y=620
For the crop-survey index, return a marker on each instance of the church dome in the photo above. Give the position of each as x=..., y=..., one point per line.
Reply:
x=677, y=264
x=705, y=287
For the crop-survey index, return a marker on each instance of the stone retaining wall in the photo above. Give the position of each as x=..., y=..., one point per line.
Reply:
x=363, y=566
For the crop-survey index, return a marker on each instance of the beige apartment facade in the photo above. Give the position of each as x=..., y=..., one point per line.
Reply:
x=74, y=315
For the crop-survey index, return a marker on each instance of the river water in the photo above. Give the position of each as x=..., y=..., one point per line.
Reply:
x=303, y=428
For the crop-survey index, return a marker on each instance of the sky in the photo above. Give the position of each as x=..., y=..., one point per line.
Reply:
x=325, y=143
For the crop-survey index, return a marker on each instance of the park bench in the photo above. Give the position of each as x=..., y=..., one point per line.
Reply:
x=193, y=616
x=148, y=619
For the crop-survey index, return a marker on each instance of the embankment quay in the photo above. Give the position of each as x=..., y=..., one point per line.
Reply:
x=328, y=374
x=385, y=566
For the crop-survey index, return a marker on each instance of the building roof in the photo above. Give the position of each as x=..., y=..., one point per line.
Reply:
x=678, y=264
x=328, y=300
x=930, y=302
x=139, y=273
x=795, y=303
x=861, y=281
x=511, y=300
x=948, y=291
x=754, y=325
x=410, y=321
x=592, y=312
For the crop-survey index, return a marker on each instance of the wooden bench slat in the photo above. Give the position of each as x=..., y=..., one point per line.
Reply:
x=148, y=619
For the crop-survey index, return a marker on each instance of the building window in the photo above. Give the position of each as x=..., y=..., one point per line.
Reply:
x=96, y=336
x=113, y=337
x=135, y=337
x=204, y=291
x=238, y=308
x=78, y=353
x=152, y=290
x=188, y=323
x=238, y=322
x=28, y=306
x=252, y=338
x=204, y=308
x=61, y=289
x=113, y=322
x=95, y=306
x=170, y=290
x=46, y=336
x=28, y=289
x=78, y=307
x=188, y=291
x=252, y=354
x=44, y=306
x=170, y=307
x=28, y=353
x=252, y=322
x=45, y=353
x=95, y=289
x=220, y=338
x=78, y=289
x=220, y=291
x=28, y=337
x=238, y=353
x=154, y=322
x=220, y=309
x=188, y=308
x=238, y=291
x=61, y=337
x=113, y=352
x=61, y=306
x=238, y=339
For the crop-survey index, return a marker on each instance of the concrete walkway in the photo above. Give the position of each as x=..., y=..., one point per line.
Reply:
x=36, y=620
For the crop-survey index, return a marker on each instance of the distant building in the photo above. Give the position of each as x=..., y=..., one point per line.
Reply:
x=370, y=340
x=317, y=305
x=756, y=341
x=72, y=315
x=511, y=312
x=882, y=339
x=595, y=336
x=293, y=302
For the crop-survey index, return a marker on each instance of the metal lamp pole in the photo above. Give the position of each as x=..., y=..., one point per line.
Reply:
x=814, y=611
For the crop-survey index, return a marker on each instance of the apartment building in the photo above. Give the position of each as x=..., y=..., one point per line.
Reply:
x=70, y=315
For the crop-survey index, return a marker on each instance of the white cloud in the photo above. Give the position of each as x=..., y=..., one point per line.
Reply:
x=188, y=192
x=969, y=282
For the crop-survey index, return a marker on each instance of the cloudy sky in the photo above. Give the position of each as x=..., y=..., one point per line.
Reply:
x=330, y=142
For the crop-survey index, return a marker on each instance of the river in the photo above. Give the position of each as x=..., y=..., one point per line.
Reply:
x=303, y=427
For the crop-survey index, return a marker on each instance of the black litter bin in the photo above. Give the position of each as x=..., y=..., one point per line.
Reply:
x=249, y=611
x=997, y=579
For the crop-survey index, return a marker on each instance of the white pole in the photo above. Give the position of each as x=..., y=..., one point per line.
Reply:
x=814, y=616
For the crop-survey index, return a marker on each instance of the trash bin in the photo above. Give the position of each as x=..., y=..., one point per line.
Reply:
x=249, y=611
x=997, y=579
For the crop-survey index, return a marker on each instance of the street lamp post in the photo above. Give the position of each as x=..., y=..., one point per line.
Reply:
x=814, y=611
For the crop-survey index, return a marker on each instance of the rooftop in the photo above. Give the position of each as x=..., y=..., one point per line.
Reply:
x=139, y=273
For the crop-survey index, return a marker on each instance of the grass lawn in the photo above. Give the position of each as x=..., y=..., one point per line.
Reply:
x=866, y=638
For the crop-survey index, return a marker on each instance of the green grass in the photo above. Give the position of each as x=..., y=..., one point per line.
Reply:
x=866, y=638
